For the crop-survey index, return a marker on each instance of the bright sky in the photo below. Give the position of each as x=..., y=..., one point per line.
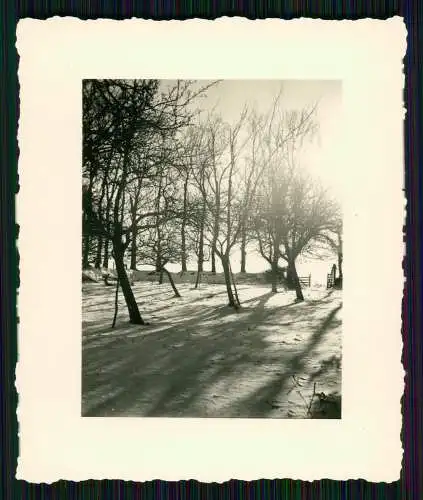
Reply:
x=228, y=98
x=321, y=157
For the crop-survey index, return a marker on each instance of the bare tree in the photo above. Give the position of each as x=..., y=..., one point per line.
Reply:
x=299, y=215
x=184, y=221
x=199, y=221
x=229, y=200
x=286, y=134
x=161, y=252
x=192, y=171
x=121, y=119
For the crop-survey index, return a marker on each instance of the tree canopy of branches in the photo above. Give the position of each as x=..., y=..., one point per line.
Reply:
x=130, y=129
x=293, y=212
x=294, y=215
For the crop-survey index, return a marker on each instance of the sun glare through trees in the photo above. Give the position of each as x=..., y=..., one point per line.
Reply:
x=212, y=264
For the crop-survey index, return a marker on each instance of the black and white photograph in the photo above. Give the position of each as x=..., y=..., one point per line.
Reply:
x=212, y=249
x=186, y=216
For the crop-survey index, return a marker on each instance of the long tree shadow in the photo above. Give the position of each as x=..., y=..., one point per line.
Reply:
x=265, y=394
x=167, y=330
x=103, y=332
x=211, y=295
x=260, y=299
x=164, y=369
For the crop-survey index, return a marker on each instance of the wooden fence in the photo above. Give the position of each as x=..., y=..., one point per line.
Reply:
x=305, y=280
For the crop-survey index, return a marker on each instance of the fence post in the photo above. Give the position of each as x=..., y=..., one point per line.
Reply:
x=309, y=280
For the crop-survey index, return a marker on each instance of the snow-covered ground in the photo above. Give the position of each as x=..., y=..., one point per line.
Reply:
x=199, y=358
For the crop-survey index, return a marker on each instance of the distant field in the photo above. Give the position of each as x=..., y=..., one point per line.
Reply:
x=190, y=277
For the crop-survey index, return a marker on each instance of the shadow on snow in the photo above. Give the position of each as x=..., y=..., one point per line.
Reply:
x=171, y=368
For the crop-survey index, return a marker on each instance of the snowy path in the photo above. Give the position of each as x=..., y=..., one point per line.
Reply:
x=199, y=358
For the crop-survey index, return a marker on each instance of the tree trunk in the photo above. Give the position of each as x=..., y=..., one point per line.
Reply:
x=333, y=272
x=290, y=282
x=198, y=279
x=134, y=234
x=106, y=254
x=97, y=263
x=172, y=283
x=183, y=226
x=297, y=285
x=116, y=303
x=340, y=259
x=275, y=263
x=237, y=301
x=340, y=266
x=214, y=240
x=200, y=255
x=86, y=251
x=134, y=313
x=159, y=234
x=227, y=274
x=213, y=261
x=183, y=251
x=158, y=259
x=159, y=267
x=243, y=249
x=161, y=277
x=275, y=273
x=86, y=225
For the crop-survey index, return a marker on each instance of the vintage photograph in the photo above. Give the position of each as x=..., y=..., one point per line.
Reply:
x=211, y=249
